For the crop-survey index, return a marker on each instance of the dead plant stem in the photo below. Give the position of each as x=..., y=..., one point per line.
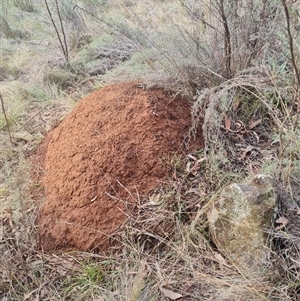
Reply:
x=227, y=41
x=56, y=30
x=6, y=119
x=290, y=38
x=63, y=32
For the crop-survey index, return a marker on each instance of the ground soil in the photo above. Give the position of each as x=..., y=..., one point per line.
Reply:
x=104, y=157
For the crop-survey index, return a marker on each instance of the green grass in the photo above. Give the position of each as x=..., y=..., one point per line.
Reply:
x=86, y=282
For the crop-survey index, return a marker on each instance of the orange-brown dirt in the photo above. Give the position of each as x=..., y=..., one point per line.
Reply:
x=107, y=152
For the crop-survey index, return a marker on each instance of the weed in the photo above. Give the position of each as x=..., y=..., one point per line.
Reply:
x=82, y=284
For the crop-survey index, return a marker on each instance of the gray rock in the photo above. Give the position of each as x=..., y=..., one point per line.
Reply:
x=239, y=219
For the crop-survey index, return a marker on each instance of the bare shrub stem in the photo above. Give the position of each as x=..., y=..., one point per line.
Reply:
x=6, y=119
x=63, y=47
x=63, y=32
x=288, y=23
x=227, y=41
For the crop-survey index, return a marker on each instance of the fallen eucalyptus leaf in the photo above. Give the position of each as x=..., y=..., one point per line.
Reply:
x=220, y=258
x=283, y=221
x=170, y=294
x=227, y=123
x=253, y=124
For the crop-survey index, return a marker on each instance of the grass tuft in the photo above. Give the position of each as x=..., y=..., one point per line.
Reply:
x=25, y=5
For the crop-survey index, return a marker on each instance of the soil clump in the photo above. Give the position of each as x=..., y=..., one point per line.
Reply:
x=104, y=156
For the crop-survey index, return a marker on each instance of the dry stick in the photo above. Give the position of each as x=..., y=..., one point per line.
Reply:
x=57, y=33
x=6, y=120
x=63, y=31
x=227, y=42
x=287, y=17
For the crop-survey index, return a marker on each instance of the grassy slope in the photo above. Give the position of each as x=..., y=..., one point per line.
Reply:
x=170, y=45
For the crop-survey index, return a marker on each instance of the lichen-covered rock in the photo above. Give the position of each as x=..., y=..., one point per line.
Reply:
x=239, y=219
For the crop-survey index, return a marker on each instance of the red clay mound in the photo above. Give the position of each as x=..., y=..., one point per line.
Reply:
x=109, y=148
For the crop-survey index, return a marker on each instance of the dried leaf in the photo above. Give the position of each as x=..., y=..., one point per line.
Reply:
x=253, y=124
x=283, y=221
x=220, y=258
x=227, y=123
x=170, y=294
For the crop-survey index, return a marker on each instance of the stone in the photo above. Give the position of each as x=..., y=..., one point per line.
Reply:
x=239, y=220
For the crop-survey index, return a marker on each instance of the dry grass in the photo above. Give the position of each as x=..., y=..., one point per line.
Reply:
x=166, y=249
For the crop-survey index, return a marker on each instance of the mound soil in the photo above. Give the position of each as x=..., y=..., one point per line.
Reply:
x=106, y=154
